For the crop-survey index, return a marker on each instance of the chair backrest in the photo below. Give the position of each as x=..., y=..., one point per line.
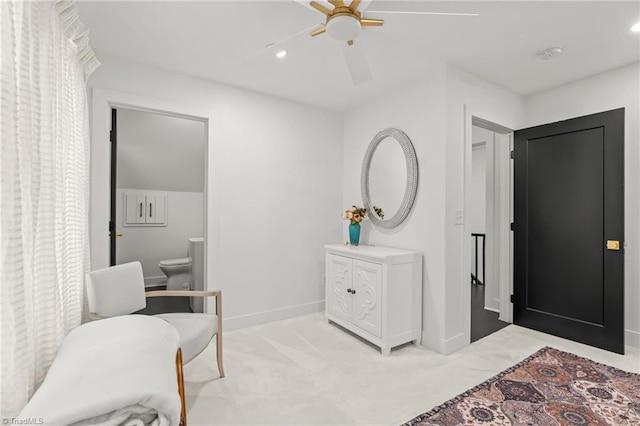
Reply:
x=117, y=290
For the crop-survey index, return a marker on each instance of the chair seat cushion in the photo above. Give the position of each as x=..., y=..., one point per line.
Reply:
x=195, y=330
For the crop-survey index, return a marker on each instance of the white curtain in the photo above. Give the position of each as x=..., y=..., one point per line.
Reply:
x=44, y=187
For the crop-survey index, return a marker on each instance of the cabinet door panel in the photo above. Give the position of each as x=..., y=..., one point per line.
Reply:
x=160, y=209
x=338, y=282
x=156, y=208
x=134, y=206
x=367, y=296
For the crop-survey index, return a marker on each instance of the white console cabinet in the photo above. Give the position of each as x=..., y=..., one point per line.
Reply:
x=375, y=292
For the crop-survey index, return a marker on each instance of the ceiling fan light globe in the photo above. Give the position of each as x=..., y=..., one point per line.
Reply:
x=343, y=28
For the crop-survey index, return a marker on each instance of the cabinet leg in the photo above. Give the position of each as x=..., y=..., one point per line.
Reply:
x=385, y=351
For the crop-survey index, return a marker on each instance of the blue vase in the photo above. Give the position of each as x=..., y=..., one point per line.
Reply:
x=354, y=234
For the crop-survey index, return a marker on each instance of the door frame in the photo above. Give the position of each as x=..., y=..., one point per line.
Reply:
x=113, y=184
x=502, y=260
x=102, y=101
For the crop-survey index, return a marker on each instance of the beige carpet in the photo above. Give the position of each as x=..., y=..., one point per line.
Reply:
x=303, y=371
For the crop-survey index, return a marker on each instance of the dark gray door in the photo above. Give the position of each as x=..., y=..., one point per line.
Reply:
x=569, y=226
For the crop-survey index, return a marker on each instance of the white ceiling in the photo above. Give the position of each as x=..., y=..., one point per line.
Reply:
x=218, y=40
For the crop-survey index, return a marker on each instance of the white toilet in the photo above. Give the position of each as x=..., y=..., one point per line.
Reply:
x=178, y=272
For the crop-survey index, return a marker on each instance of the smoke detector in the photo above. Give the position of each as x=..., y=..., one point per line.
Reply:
x=549, y=53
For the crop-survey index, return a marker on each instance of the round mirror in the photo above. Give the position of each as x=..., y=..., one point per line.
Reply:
x=389, y=178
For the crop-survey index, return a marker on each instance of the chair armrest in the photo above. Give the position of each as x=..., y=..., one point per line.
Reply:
x=160, y=293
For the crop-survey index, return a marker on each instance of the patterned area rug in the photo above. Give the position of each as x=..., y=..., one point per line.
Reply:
x=551, y=387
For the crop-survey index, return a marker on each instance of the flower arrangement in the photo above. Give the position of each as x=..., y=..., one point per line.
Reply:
x=357, y=214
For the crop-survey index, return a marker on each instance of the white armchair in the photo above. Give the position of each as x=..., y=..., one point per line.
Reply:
x=119, y=290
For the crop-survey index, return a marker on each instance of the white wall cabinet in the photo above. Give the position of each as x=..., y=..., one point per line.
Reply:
x=145, y=208
x=375, y=292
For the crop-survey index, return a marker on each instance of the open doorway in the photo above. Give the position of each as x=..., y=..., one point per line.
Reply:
x=490, y=198
x=158, y=199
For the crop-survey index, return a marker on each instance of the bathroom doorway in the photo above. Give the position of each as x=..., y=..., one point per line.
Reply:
x=158, y=199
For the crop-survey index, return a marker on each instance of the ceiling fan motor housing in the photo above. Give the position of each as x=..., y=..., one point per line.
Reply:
x=343, y=26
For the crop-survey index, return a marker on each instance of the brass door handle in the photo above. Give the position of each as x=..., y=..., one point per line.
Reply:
x=118, y=234
x=613, y=245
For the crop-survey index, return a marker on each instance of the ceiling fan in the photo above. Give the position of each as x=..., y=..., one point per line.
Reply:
x=344, y=23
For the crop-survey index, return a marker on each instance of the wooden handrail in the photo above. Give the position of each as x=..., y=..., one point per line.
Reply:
x=475, y=279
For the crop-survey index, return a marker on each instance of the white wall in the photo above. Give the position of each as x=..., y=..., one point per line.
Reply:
x=160, y=152
x=431, y=110
x=151, y=244
x=278, y=174
x=467, y=95
x=417, y=108
x=274, y=190
x=606, y=91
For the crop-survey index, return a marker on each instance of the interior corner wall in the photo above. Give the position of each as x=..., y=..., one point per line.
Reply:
x=610, y=90
x=466, y=95
x=278, y=174
x=417, y=108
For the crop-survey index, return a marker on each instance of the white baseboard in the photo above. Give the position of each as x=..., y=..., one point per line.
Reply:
x=632, y=338
x=445, y=346
x=259, y=318
x=455, y=343
x=497, y=311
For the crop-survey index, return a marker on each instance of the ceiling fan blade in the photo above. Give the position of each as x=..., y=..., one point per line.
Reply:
x=354, y=5
x=371, y=22
x=272, y=46
x=320, y=8
x=363, y=5
x=357, y=63
x=337, y=3
x=318, y=31
x=406, y=12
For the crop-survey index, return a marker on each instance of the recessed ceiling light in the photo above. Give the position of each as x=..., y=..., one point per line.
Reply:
x=636, y=28
x=281, y=54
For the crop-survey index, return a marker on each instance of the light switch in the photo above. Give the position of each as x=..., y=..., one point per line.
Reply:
x=459, y=219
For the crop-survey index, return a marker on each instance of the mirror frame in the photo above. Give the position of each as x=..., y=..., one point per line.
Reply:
x=411, y=186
